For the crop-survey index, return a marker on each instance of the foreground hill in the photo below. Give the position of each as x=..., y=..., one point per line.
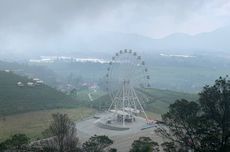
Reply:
x=18, y=99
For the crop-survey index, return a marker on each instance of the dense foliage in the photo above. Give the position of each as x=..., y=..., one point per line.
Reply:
x=144, y=144
x=201, y=126
x=17, y=142
x=97, y=144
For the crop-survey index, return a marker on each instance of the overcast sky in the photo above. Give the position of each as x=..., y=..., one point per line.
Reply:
x=49, y=19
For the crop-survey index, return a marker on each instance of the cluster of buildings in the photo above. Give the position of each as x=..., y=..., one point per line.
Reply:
x=33, y=83
x=52, y=59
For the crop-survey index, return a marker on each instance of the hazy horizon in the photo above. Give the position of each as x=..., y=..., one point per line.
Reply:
x=33, y=26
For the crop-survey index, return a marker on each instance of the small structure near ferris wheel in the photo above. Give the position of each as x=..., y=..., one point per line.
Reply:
x=126, y=74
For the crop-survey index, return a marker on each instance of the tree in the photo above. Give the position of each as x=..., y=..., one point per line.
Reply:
x=63, y=133
x=73, y=92
x=3, y=146
x=112, y=150
x=201, y=126
x=168, y=147
x=215, y=103
x=17, y=142
x=97, y=144
x=182, y=120
x=144, y=144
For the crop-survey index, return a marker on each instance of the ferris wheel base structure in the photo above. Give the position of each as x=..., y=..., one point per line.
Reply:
x=97, y=125
x=101, y=124
x=109, y=121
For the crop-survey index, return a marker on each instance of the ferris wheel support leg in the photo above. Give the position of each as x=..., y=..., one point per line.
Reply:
x=123, y=98
x=111, y=104
x=140, y=105
x=135, y=106
x=114, y=101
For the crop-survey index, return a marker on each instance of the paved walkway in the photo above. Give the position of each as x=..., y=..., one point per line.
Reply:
x=122, y=139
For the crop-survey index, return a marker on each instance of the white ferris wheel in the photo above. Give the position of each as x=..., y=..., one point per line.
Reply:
x=127, y=73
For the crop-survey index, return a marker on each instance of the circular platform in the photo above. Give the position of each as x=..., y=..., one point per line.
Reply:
x=98, y=125
x=122, y=137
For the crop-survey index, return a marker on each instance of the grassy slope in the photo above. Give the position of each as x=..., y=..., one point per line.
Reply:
x=28, y=109
x=34, y=123
x=159, y=100
x=14, y=99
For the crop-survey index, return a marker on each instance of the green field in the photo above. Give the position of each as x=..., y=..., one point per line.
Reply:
x=159, y=100
x=34, y=123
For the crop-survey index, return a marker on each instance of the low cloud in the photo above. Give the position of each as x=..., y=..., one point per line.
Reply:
x=29, y=24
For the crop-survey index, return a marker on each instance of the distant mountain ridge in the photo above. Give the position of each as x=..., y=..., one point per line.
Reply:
x=217, y=40
x=214, y=41
x=101, y=44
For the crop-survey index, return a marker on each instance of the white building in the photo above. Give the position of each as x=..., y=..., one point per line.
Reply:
x=30, y=84
x=20, y=84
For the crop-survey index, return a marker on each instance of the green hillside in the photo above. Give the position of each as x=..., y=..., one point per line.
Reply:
x=159, y=100
x=155, y=100
x=15, y=99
